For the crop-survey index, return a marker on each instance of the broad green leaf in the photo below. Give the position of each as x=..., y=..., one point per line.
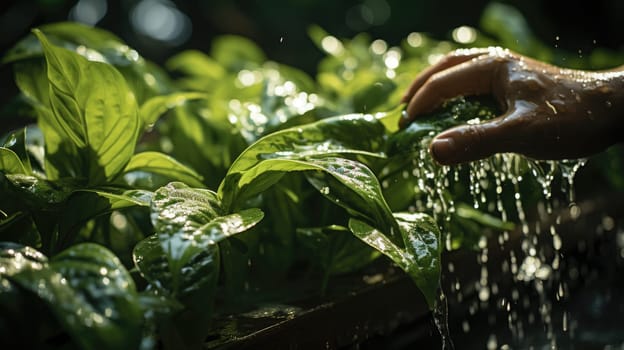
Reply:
x=353, y=186
x=236, y=52
x=182, y=258
x=98, y=45
x=355, y=133
x=86, y=287
x=390, y=119
x=10, y=162
x=420, y=257
x=31, y=79
x=61, y=158
x=98, y=114
x=89, y=41
x=238, y=187
x=162, y=164
x=195, y=216
x=212, y=140
x=156, y=106
x=200, y=71
x=347, y=183
x=15, y=258
x=40, y=193
x=198, y=270
x=188, y=221
x=512, y=30
x=190, y=287
x=371, y=96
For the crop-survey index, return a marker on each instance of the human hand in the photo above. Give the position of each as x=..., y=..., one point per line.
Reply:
x=550, y=112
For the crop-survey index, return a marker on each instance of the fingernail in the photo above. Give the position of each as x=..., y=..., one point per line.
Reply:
x=404, y=120
x=443, y=149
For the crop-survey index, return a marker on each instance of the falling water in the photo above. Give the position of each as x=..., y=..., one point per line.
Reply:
x=491, y=182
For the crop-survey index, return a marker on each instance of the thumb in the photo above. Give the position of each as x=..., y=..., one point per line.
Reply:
x=467, y=143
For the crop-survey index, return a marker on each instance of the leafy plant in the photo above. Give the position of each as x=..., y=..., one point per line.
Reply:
x=163, y=202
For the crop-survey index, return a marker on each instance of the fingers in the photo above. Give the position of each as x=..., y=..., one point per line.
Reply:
x=467, y=143
x=469, y=78
x=453, y=59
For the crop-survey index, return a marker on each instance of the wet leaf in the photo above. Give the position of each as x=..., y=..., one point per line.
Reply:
x=420, y=256
x=86, y=287
x=350, y=134
x=194, y=216
x=182, y=258
x=40, y=193
x=354, y=133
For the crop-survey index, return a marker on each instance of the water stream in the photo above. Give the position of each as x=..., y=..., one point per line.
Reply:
x=511, y=188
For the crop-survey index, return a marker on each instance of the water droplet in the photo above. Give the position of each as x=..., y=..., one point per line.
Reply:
x=492, y=343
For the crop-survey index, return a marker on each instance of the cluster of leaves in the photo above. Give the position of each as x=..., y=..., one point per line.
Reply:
x=160, y=202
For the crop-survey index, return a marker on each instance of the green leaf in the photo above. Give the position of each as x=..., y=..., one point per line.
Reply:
x=156, y=106
x=190, y=283
x=61, y=155
x=353, y=186
x=162, y=164
x=355, y=133
x=39, y=193
x=16, y=142
x=390, y=119
x=420, y=258
x=15, y=258
x=197, y=268
x=10, y=162
x=236, y=52
x=88, y=40
x=188, y=221
x=200, y=71
x=182, y=258
x=98, y=114
x=86, y=287
x=194, y=215
x=369, y=97
x=98, y=45
x=347, y=183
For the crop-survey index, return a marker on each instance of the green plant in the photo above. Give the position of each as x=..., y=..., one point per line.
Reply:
x=154, y=198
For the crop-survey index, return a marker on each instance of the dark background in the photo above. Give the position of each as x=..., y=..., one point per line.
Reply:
x=280, y=26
